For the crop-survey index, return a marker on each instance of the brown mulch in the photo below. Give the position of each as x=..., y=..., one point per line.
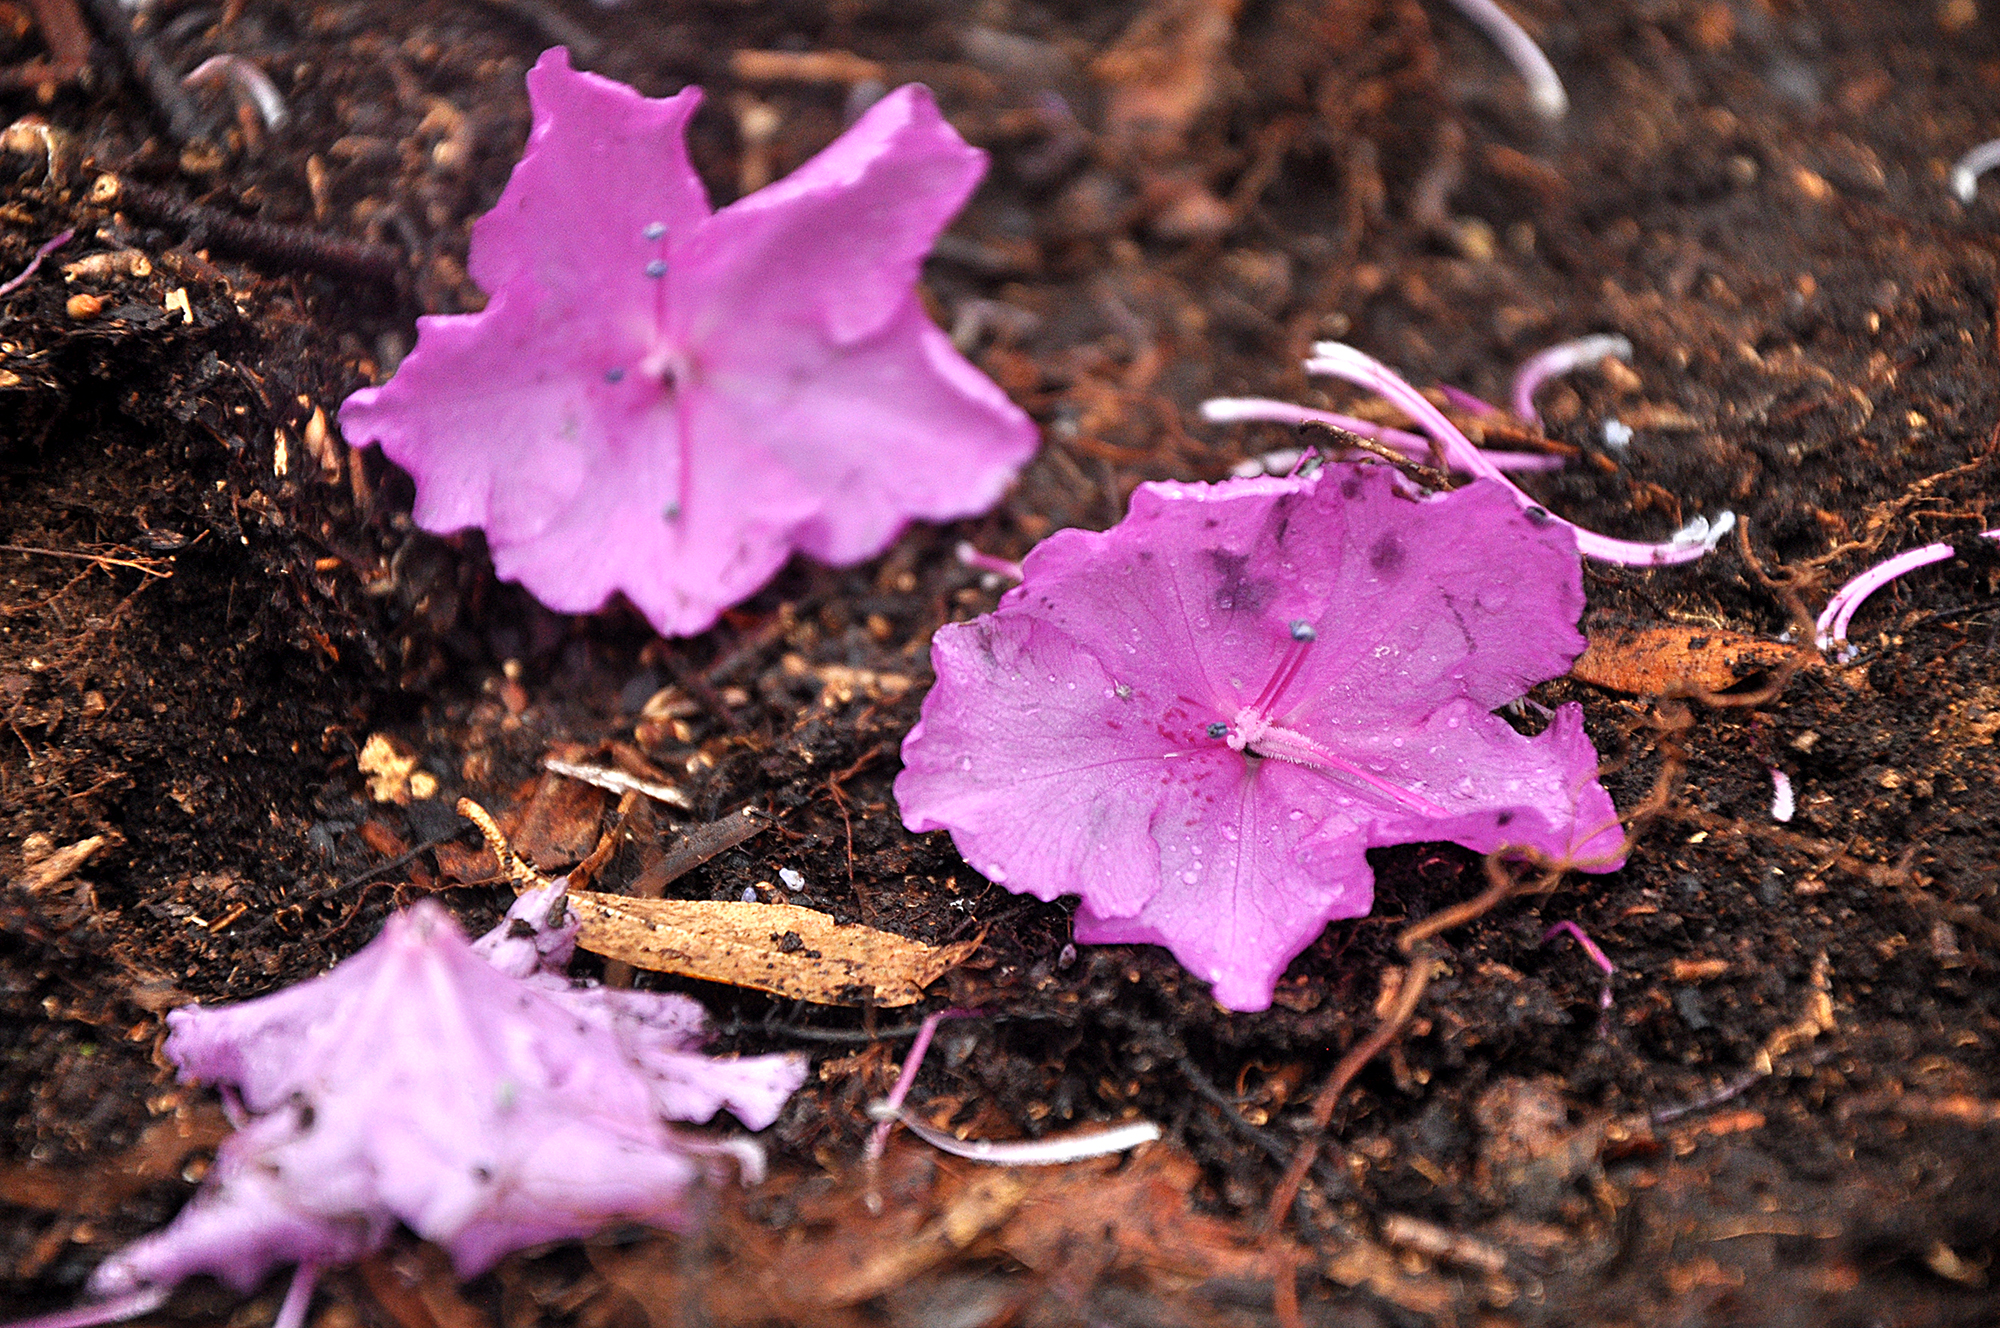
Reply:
x=209, y=606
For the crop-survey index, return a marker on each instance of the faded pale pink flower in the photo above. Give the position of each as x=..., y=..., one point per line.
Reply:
x=665, y=402
x=1200, y=720
x=466, y=1091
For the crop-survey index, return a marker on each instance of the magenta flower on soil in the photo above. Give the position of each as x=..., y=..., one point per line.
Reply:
x=465, y=1090
x=664, y=401
x=1200, y=720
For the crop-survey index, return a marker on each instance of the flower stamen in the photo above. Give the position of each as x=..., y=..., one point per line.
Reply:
x=1254, y=732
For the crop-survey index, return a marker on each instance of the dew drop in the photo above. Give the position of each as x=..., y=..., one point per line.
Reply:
x=614, y=375
x=965, y=763
x=1295, y=815
x=1190, y=876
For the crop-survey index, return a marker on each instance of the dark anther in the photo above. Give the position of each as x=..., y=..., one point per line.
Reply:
x=1303, y=631
x=520, y=929
x=1538, y=515
x=558, y=915
x=1218, y=729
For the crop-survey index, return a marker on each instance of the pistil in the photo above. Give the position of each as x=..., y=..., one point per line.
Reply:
x=1254, y=732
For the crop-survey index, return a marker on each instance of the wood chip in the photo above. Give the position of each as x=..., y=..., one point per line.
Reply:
x=57, y=866
x=391, y=766
x=617, y=781
x=805, y=67
x=780, y=948
x=701, y=843
x=1650, y=661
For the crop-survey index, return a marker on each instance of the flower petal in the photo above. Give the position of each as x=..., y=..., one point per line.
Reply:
x=831, y=252
x=501, y=417
x=896, y=426
x=602, y=165
x=1026, y=728
x=1501, y=789
x=510, y=421
x=1236, y=900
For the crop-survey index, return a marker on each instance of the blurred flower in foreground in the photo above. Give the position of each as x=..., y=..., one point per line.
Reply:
x=465, y=1090
x=667, y=402
x=1200, y=720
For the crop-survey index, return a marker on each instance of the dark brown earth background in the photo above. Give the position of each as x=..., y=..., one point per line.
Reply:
x=208, y=607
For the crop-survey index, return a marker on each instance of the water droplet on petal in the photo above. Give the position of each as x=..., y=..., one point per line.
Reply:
x=965, y=763
x=1190, y=876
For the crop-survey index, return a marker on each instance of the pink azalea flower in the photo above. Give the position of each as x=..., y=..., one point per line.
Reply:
x=666, y=402
x=1200, y=720
x=466, y=1091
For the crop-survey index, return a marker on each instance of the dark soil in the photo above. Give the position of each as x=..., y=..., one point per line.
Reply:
x=1789, y=1113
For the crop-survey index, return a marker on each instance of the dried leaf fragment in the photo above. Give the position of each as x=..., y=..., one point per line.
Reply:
x=1648, y=661
x=779, y=948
